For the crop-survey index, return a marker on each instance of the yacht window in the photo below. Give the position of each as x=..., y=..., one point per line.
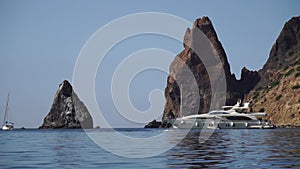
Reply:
x=238, y=118
x=218, y=113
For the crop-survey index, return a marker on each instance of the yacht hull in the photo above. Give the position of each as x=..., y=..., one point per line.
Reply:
x=219, y=124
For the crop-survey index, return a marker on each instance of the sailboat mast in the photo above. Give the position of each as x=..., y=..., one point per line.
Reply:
x=6, y=110
x=181, y=101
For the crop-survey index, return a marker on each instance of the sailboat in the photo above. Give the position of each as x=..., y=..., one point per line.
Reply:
x=6, y=124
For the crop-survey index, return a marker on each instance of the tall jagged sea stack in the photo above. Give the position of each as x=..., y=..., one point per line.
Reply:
x=67, y=111
x=235, y=88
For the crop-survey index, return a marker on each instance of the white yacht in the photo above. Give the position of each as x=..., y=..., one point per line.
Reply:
x=6, y=124
x=231, y=117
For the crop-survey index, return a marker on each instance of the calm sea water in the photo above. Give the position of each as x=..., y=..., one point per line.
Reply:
x=279, y=148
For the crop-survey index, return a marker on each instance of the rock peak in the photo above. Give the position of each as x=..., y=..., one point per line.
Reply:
x=65, y=82
x=202, y=21
x=67, y=111
x=293, y=20
x=65, y=88
x=206, y=26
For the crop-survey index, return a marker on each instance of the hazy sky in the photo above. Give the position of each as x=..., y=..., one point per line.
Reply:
x=41, y=40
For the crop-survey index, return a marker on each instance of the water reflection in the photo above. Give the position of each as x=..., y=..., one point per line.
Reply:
x=237, y=149
x=66, y=140
x=284, y=151
x=189, y=153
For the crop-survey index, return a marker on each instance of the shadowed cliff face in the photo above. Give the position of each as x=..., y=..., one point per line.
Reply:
x=278, y=92
x=218, y=73
x=67, y=111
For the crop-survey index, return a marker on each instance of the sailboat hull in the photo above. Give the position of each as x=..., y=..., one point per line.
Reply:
x=6, y=124
x=7, y=127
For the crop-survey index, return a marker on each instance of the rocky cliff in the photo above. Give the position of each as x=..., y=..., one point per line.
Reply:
x=278, y=91
x=67, y=111
x=274, y=89
x=235, y=88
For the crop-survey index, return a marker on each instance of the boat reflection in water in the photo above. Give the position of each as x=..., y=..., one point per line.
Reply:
x=235, y=149
x=190, y=153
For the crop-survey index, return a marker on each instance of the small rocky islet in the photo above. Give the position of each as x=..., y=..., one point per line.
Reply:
x=67, y=111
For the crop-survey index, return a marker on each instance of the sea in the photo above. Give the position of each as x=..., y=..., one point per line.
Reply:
x=256, y=148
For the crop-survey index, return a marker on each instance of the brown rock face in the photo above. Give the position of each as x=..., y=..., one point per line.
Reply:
x=153, y=124
x=67, y=111
x=283, y=52
x=248, y=81
x=207, y=72
x=278, y=91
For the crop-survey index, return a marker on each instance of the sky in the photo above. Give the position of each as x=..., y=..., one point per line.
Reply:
x=41, y=41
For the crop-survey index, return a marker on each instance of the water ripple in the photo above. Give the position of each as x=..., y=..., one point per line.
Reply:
x=277, y=148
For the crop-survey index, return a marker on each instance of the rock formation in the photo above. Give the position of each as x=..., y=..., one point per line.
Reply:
x=67, y=111
x=284, y=52
x=235, y=88
x=153, y=124
x=278, y=91
x=274, y=89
